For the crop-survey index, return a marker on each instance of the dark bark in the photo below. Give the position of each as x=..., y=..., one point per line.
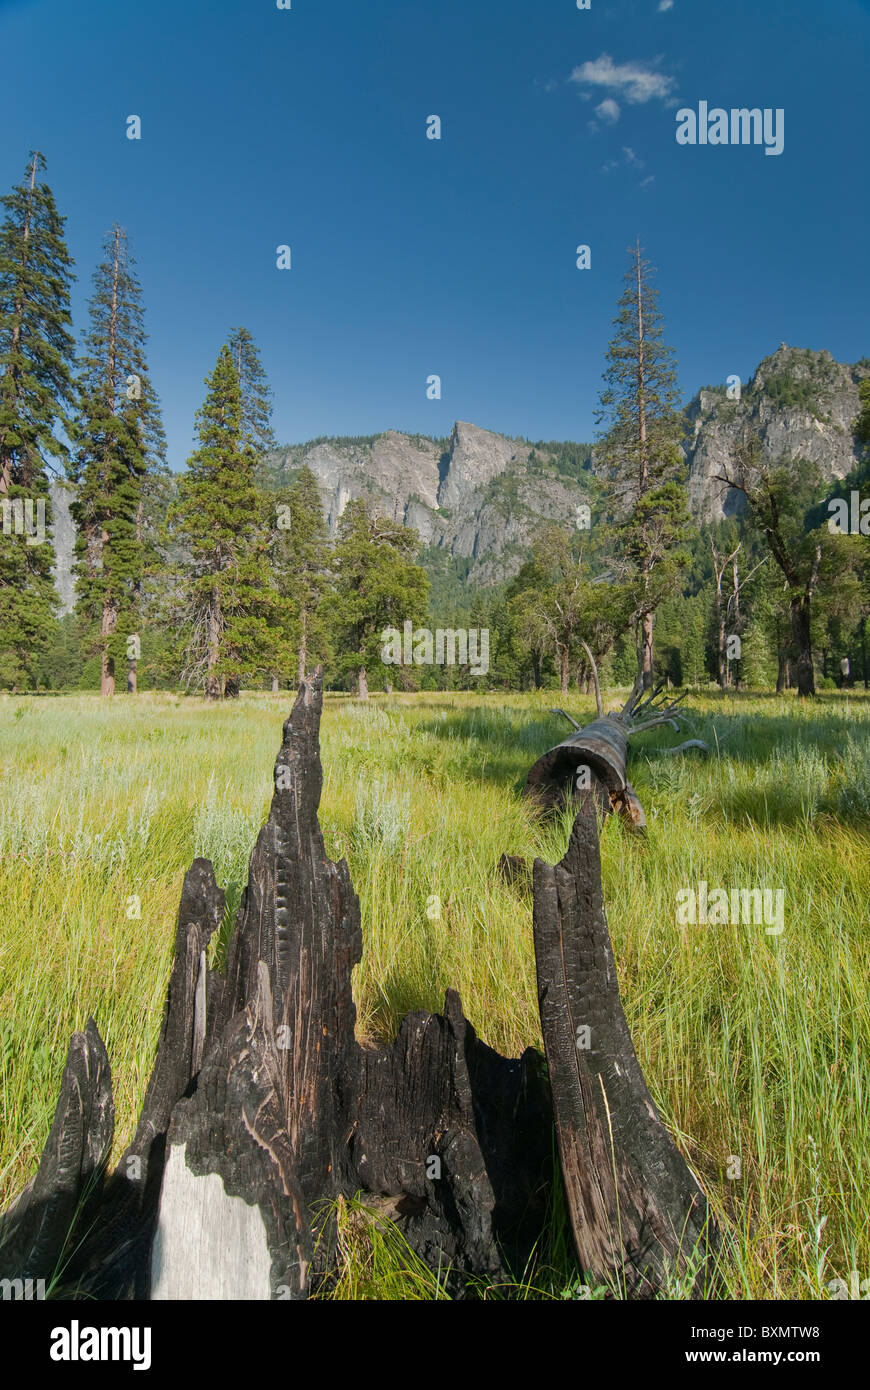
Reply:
x=802, y=640
x=35, y=1231
x=564, y=669
x=645, y=652
x=611, y=1138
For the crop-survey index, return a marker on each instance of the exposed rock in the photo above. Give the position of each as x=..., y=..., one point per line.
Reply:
x=482, y=497
x=803, y=405
x=63, y=534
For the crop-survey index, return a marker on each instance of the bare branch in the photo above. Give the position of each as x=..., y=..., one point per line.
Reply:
x=598, y=704
x=567, y=716
x=635, y=691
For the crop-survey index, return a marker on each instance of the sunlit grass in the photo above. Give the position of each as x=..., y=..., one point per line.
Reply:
x=754, y=1046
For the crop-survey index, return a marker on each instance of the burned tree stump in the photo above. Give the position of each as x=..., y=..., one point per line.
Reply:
x=263, y=1108
x=35, y=1231
x=638, y=1213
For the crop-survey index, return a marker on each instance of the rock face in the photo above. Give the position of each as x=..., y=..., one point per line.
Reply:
x=482, y=497
x=803, y=405
x=63, y=534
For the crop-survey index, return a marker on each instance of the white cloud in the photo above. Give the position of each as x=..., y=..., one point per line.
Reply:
x=665, y=5
x=630, y=159
x=609, y=110
x=632, y=81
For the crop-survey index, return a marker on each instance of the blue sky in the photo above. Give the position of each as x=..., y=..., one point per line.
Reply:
x=307, y=127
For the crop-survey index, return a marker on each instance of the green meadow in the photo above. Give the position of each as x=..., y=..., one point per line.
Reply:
x=754, y=1045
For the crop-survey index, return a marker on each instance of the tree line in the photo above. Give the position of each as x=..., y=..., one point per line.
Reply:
x=215, y=580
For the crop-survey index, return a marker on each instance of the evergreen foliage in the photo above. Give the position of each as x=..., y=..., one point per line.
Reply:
x=36, y=393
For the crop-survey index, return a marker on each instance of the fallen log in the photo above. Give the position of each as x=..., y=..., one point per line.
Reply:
x=264, y=1110
x=590, y=764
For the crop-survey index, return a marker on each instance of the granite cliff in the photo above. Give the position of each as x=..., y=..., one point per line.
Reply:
x=480, y=496
x=802, y=404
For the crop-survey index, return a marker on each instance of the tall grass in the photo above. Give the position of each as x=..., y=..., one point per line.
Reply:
x=754, y=1046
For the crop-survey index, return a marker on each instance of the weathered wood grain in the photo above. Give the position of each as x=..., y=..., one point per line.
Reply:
x=637, y=1211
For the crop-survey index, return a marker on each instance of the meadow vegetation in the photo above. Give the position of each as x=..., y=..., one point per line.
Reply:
x=754, y=1046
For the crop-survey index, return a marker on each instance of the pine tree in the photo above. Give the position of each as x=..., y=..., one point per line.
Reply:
x=256, y=394
x=640, y=450
x=302, y=559
x=225, y=599
x=36, y=390
x=119, y=438
x=377, y=586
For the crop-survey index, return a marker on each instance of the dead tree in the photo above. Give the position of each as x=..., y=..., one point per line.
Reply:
x=610, y=1135
x=263, y=1107
x=724, y=610
x=591, y=762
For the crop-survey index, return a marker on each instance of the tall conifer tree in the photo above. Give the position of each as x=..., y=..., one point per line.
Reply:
x=119, y=438
x=302, y=560
x=227, y=604
x=36, y=391
x=640, y=450
x=256, y=393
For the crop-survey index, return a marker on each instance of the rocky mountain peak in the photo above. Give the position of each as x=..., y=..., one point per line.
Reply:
x=802, y=404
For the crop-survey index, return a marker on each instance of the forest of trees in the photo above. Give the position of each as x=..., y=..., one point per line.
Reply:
x=213, y=581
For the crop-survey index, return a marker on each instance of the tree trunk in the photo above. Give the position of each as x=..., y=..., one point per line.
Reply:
x=107, y=675
x=564, y=673
x=263, y=1112
x=645, y=654
x=362, y=685
x=108, y=624
x=213, y=685
x=782, y=672
x=133, y=663
x=801, y=637
x=275, y=685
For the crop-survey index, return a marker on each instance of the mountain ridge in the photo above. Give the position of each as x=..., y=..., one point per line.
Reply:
x=480, y=496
